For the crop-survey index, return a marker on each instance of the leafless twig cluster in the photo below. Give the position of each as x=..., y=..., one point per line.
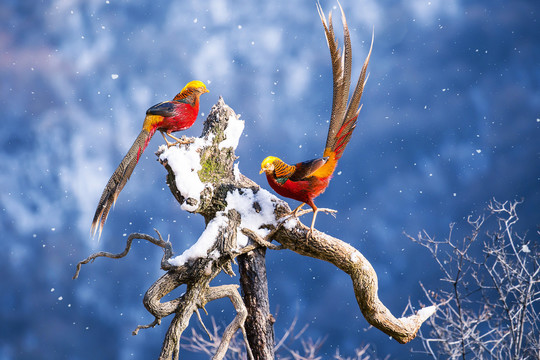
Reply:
x=293, y=345
x=490, y=294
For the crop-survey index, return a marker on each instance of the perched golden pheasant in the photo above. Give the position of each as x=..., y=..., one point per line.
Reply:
x=166, y=117
x=307, y=180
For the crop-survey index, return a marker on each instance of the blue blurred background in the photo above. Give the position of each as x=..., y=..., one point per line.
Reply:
x=451, y=118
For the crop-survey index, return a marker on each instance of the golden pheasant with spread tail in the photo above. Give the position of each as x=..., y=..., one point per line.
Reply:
x=166, y=117
x=307, y=180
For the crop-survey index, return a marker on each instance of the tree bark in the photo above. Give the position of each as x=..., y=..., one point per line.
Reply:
x=260, y=322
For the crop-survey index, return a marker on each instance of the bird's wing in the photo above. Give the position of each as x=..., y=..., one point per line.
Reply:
x=165, y=109
x=306, y=169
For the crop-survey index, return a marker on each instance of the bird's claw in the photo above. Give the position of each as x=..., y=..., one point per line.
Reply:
x=303, y=212
x=182, y=141
x=299, y=213
x=291, y=216
x=329, y=211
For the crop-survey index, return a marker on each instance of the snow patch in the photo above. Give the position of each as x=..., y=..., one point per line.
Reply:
x=236, y=171
x=290, y=223
x=186, y=163
x=356, y=256
x=204, y=243
x=234, y=130
x=426, y=312
x=251, y=219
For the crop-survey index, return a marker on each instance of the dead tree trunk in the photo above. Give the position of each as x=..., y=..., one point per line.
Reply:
x=259, y=322
x=204, y=179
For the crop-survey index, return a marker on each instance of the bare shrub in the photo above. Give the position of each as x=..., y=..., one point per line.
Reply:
x=489, y=300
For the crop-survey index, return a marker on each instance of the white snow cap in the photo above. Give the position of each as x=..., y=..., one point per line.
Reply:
x=236, y=171
x=186, y=163
x=356, y=256
x=234, y=130
x=205, y=242
x=251, y=219
x=426, y=312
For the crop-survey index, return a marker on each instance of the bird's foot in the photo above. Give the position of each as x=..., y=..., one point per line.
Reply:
x=309, y=234
x=169, y=144
x=329, y=211
x=296, y=213
x=291, y=216
x=303, y=212
x=306, y=211
x=182, y=141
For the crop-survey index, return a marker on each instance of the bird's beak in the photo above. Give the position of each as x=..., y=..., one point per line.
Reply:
x=260, y=172
x=206, y=90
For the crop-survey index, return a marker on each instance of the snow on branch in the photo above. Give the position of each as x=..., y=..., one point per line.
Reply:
x=241, y=217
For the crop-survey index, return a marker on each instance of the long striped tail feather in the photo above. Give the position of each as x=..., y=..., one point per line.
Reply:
x=117, y=182
x=341, y=70
x=343, y=118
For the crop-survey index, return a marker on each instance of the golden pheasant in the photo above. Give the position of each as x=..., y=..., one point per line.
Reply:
x=166, y=117
x=307, y=180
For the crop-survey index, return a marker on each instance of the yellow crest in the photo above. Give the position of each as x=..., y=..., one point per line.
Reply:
x=193, y=87
x=277, y=166
x=268, y=164
x=195, y=84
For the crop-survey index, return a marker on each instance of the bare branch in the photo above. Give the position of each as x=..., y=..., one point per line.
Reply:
x=157, y=321
x=159, y=242
x=363, y=276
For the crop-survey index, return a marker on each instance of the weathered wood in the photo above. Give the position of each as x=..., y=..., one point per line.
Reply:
x=260, y=322
x=364, y=278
